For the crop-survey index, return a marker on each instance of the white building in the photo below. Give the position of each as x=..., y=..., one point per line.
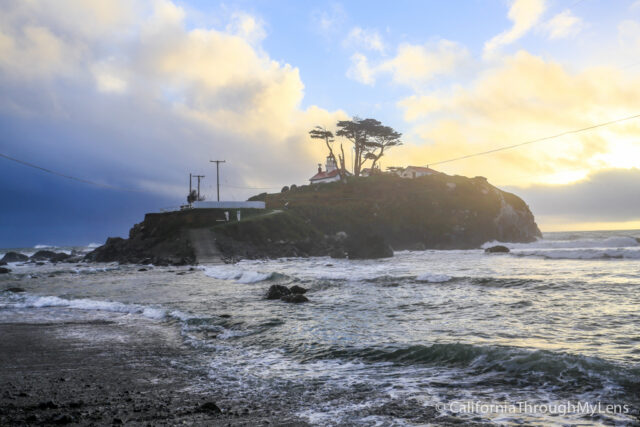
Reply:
x=228, y=205
x=330, y=174
x=416, y=172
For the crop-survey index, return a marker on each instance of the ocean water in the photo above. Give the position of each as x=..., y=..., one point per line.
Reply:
x=541, y=335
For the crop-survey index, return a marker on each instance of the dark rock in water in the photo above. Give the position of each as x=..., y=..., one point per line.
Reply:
x=60, y=257
x=337, y=253
x=15, y=290
x=14, y=257
x=497, y=249
x=42, y=255
x=225, y=316
x=40, y=263
x=4, y=270
x=368, y=246
x=49, y=256
x=3, y=263
x=142, y=269
x=62, y=419
x=295, y=289
x=209, y=407
x=48, y=405
x=277, y=291
x=294, y=298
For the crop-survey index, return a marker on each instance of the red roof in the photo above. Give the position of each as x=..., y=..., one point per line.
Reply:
x=324, y=175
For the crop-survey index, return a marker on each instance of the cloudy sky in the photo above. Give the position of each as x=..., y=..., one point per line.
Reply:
x=138, y=94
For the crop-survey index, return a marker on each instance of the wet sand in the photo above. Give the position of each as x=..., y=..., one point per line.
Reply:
x=103, y=372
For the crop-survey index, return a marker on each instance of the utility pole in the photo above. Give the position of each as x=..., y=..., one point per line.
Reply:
x=217, y=162
x=199, y=176
x=189, y=183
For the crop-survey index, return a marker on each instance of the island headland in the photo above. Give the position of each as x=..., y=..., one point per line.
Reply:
x=358, y=217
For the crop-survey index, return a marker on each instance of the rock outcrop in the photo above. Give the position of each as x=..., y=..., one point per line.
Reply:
x=14, y=257
x=291, y=295
x=357, y=219
x=497, y=249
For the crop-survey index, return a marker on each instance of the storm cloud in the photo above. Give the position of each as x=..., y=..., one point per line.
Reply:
x=605, y=196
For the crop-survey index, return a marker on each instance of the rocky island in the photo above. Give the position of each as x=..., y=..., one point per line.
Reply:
x=359, y=217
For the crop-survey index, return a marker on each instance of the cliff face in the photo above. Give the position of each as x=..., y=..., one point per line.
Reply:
x=358, y=218
x=437, y=211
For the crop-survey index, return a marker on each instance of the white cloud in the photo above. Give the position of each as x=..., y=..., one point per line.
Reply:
x=246, y=26
x=360, y=70
x=524, y=14
x=521, y=98
x=329, y=22
x=184, y=94
x=629, y=34
x=413, y=65
x=564, y=24
x=365, y=39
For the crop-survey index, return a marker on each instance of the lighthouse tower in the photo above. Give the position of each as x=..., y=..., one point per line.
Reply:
x=330, y=165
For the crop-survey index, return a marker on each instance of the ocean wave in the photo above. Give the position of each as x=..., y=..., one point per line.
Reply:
x=34, y=301
x=584, y=243
x=45, y=247
x=502, y=282
x=582, y=254
x=433, y=278
x=227, y=272
x=522, y=366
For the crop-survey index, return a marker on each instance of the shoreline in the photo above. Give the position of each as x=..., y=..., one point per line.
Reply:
x=108, y=372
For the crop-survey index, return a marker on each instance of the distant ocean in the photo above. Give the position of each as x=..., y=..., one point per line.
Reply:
x=554, y=324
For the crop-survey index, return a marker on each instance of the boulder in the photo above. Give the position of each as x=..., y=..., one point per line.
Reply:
x=337, y=252
x=368, y=246
x=15, y=290
x=49, y=256
x=4, y=270
x=294, y=298
x=209, y=407
x=277, y=292
x=14, y=257
x=497, y=249
x=295, y=289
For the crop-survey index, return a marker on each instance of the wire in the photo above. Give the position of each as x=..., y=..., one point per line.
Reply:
x=508, y=147
x=251, y=188
x=482, y=153
x=73, y=178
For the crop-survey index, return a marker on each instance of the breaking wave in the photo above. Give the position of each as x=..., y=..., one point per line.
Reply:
x=34, y=301
x=229, y=272
x=505, y=365
x=609, y=242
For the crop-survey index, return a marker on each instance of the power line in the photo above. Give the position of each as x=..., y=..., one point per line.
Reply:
x=508, y=147
x=73, y=178
x=251, y=188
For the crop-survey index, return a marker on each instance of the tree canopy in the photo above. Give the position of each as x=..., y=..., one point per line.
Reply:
x=370, y=139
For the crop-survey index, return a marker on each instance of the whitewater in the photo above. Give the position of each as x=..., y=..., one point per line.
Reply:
x=407, y=340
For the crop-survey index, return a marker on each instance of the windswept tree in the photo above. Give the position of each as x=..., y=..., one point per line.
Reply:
x=370, y=139
x=384, y=138
x=327, y=136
